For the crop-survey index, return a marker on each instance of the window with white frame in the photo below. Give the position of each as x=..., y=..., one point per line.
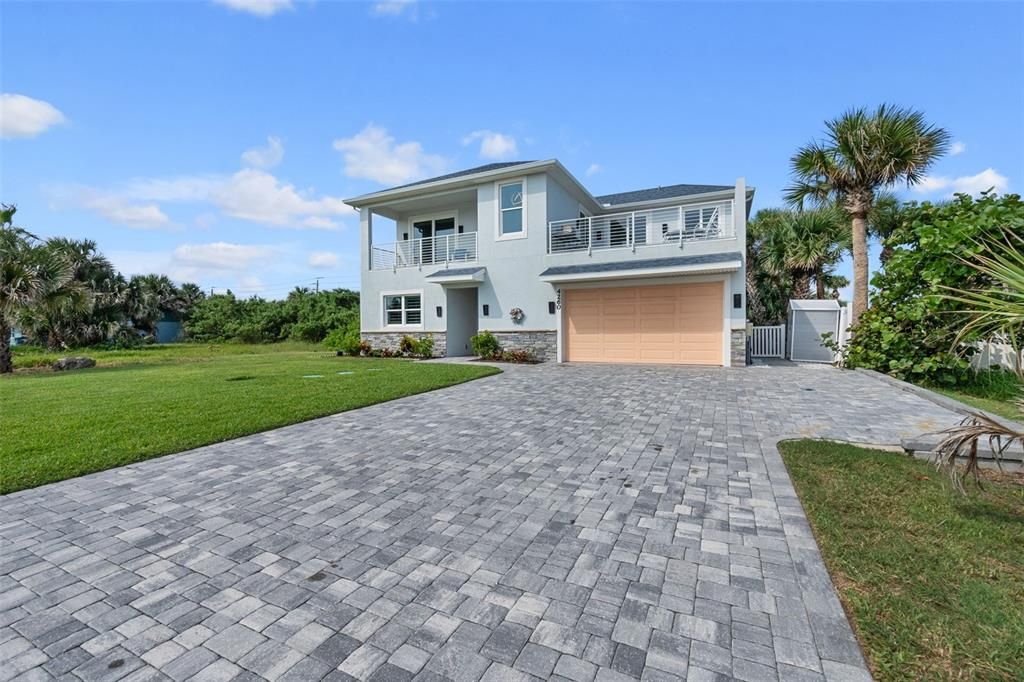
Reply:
x=403, y=310
x=511, y=220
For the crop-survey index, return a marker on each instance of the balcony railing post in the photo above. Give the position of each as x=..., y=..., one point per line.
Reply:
x=590, y=236
x=682, y=227
x=632, y=230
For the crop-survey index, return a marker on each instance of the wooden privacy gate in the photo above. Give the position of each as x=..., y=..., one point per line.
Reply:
x=768, y=342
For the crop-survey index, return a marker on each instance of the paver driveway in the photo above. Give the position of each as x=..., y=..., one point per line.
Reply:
x=555, y=521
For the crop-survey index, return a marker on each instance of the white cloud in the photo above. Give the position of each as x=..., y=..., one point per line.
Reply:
x=135, y=216
x=593, y=169
x=249, y=194
x=957, y=148
x=264, y=157
x=394, y=8
x=219, y=256
x=258, y=196
x=324, y=260
x=373, y=155
x=967, y=184
x=186, y=188
x=22, y=116
x=261, y=8
x=494, y=146
x=251, y=283
x=118, y=208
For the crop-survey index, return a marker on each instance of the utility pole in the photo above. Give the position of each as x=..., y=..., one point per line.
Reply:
x=318, y=284
x=211, y=290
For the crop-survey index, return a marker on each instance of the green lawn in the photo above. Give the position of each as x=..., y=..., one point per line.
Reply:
x=167, y=399
x=1002, y=407
x=993, y=391
x=933, y=580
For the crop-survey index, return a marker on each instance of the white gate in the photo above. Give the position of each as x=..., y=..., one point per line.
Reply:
x=768, y=342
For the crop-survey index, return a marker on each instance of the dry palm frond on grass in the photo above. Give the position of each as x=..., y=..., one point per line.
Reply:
x=962, y=441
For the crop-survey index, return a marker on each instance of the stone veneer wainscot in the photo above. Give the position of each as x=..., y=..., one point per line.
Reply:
x=391, y=340
x=543, y=342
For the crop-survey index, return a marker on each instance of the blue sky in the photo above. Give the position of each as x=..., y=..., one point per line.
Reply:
x=213, y=141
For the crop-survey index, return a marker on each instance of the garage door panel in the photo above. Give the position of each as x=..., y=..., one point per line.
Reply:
x=675, y=323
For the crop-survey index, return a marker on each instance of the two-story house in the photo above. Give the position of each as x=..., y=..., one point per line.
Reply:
x=525, y=251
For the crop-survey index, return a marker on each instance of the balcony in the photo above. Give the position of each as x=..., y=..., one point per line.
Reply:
x=653, y=227
x=414, y=253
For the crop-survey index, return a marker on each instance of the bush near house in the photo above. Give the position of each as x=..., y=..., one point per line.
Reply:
x=910, y=329
x=485, y=344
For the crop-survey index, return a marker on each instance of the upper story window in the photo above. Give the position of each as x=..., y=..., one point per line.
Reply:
x=403, y=310
x=511, y=207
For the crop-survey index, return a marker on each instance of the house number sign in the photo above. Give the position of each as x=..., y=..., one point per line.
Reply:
x=558, y=298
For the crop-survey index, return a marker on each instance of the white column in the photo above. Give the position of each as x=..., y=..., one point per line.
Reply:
x=366, y=235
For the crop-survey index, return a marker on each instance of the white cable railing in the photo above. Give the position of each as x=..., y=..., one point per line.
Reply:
x=452, y=248
x=669, y=225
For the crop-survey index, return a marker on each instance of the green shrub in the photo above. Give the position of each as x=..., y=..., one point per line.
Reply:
x=302, y=316
x=345, y=340
x=519, y=356
x=485, y=344
x=424, y=347
x=909, y=330
x=407, y=346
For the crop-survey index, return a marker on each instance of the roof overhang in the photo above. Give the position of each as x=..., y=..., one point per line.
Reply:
x=654, y=267
x=676, y=201
x=458, y=277
x=448, y=184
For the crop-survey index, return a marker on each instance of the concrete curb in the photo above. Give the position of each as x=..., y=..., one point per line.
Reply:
x=939, y=399
x=842, y=656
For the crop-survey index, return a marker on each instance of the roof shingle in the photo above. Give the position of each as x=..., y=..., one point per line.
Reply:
x=656, y=193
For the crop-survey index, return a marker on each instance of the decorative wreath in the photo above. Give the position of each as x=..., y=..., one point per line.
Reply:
x=517, y=314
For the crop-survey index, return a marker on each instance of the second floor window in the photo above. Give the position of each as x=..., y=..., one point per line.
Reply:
x=402, y=310
x=510, y=214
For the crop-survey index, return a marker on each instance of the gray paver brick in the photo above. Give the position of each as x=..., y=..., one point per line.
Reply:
x=596, y=534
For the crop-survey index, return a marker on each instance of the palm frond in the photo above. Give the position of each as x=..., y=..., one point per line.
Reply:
x=961, y=441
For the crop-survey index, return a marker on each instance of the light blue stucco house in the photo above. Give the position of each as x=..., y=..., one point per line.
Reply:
x=525, y=251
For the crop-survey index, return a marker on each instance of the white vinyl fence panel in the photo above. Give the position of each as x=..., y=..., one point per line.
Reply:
x=768, y=341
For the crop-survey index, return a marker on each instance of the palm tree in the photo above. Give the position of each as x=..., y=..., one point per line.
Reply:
x=995, y=309
x=865, y=152
x=766, y=292
x=190, y=294
x=96, y=276
x=31, y=276
x=802, y=246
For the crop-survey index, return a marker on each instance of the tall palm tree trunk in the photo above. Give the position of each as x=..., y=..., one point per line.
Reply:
x=819, y=284
x=801, y=286
x=860, y=266
x=6, y=366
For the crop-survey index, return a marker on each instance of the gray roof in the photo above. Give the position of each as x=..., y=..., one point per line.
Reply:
x=655, y=193
x=458, y=174
x=454, y=272
x=647, y=264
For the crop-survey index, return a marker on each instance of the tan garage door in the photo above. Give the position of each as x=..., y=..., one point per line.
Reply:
x=672, y=323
